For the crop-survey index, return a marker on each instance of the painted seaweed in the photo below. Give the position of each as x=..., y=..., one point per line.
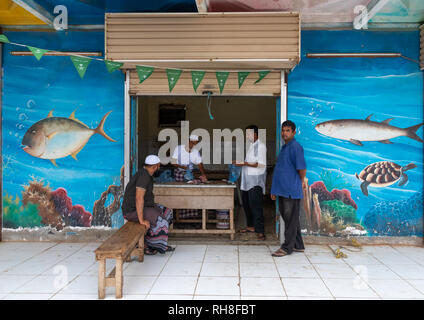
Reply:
x=16, y=215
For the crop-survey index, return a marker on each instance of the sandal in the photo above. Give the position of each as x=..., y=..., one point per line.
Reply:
x=150, y=252
x=279, y=253
x=261, y=236
x=169, y=249
x=245, y=230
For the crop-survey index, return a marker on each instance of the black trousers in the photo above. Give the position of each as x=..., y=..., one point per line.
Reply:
x=253, y=205
x=290, y=212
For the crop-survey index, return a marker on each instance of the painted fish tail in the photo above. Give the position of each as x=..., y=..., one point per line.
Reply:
x=100, y=129
x=410, y=132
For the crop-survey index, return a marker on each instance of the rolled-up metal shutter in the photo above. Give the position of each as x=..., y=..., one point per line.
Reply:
x=212, y=41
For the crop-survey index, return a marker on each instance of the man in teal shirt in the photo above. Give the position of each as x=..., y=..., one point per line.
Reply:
x=287, y=184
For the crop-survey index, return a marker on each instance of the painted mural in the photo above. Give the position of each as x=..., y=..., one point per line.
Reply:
x=62, y=136
x=360, y=122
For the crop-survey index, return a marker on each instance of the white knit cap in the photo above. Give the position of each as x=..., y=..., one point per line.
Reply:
x=152, y=159
x=193, y=137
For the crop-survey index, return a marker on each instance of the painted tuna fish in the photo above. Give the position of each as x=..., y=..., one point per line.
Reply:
x=356, y=130
x=55, y=137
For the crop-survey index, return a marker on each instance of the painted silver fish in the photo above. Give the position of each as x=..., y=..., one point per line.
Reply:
x=356, y=130
x=55, y=137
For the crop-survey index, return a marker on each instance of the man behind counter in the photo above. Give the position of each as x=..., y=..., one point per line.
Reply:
x=185, y=157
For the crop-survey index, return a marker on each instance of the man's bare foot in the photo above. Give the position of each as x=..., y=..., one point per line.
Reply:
x=247, y=229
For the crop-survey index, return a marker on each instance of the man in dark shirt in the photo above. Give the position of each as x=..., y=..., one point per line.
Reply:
x=139, y=206
x=287, y=184
x=139, y=191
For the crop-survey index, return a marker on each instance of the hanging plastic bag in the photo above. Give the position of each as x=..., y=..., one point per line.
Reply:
x=235, y=172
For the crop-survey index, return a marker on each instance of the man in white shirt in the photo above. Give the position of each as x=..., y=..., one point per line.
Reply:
x=185, y=157
x=253, y=177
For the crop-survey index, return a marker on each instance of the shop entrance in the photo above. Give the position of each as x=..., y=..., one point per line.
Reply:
x=151, y=114
x=251, y=43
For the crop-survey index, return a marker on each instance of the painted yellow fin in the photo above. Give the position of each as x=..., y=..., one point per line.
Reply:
x=100, y=130
x=50, y=114
x=72, y=117
x=74, y=154
x=51, y=135
x=54, y=162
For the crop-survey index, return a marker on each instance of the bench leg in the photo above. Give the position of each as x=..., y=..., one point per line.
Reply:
x=119, y=279
x=102, y=279
x=141, y=249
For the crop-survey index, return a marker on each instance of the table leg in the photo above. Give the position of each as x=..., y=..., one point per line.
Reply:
x=204, y=219
x=232, y=223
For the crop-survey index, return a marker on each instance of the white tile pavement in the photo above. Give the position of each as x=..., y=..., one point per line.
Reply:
x=268, y=287
x=174, y=285
x=417, y=284
x=220, y=269
x=258, y=270
x=335, y=271
x=68, y=271
x=293, y=270
x=395, y=289
x=313, y=287
x=218, y=286
x=350, y=288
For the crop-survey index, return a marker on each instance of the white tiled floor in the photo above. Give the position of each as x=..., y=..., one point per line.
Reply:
x=57, y=271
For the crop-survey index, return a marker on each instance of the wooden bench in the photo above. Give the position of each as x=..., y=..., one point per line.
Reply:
x=120, y=246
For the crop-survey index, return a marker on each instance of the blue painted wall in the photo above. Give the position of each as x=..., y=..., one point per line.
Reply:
x=31, y=90
x=353, y=88
x=319, y=90
x=92, y=12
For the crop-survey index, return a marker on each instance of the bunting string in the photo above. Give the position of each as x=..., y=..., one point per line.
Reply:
x=81, y=64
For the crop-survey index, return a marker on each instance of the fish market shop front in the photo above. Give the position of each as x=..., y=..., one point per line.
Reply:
x=358, y=119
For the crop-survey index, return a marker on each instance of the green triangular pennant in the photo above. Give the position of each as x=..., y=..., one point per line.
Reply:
x=196, y=78
x=222, y=78
x=173, y=76
x=3, y=38
x=81, y=64
x=37, y=52
x=112, y=65
x=144, y=72
x=241, y=77
x=262, y=74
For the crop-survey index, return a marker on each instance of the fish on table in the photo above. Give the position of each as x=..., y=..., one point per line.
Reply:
x=357, y=130
x=57, y=137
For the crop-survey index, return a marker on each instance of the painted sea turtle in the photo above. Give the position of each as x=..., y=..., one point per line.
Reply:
x=383, y=174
